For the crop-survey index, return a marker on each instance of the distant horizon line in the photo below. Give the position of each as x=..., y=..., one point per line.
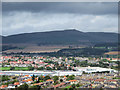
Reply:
x=58, y=30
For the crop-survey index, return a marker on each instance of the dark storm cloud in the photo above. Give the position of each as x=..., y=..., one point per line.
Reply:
x=39, y=17
x=63, y=7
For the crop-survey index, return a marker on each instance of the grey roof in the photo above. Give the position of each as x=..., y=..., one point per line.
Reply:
x=99, y=86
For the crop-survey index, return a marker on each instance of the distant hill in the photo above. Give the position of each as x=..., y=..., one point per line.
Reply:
x=64, y=37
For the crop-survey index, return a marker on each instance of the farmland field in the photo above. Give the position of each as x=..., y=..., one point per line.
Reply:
x=37, y=49
x=113, y=53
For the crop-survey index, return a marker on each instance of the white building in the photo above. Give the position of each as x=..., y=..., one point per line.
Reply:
x=63, y=73
x=94, y=69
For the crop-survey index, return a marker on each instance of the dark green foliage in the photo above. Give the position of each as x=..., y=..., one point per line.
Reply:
x=33, y=77
x=55, y=78
x=31, y=68
x=23, y=87
x=5, y=78
x=12, y=68
x=82, y=51
x=73, y=86
x=61, y=80
x=46, y=78
x=71, y=77
x=41, y=68
x=8, y=47
x=77, y=85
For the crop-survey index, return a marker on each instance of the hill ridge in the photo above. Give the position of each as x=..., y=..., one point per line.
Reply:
x=69, y=36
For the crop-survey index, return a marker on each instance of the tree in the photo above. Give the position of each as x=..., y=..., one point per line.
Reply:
x=9, y=60
x=46, y=78
x=36, y=87
x=77, y=85
x=41, y=77
x=5, y=78
x=23, y=87
x=73, y=85
x=41, y=68
x=33, y=63
x=71, y=77
x=33, y=77
x=12, y=68
x=58, y=68
x=48, y=68
x=56, y=82
x=61, y=80
x=31, y=68
x=74, y=65
x=53, y=68
x=70, y=68
x=55, y=78
x=67, y=75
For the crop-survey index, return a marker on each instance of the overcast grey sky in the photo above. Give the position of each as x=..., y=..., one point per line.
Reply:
x=43, y=16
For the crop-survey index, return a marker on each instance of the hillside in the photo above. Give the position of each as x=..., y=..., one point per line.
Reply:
x=64, y=37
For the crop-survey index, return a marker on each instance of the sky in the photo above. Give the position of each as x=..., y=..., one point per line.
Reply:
x=27, y=17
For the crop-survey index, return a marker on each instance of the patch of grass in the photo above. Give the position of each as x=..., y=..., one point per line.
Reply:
x=5, y=68
x=16, y=68
x=67, y=86
x=116, y=78
x=21, y=68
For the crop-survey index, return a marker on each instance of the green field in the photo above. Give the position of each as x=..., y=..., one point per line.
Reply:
x=5, y=68
x=16, y=68
x=21, y=68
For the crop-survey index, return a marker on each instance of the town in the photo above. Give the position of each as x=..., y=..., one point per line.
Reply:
x=23, y=71
x=65, y=44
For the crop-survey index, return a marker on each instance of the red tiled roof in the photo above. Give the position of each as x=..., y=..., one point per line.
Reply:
x=111, y=80
x=49, y=80
x=3, y=86
x=58, y=85
x=38, y=83
x=90, y=79
x=100, y=80
x=26, y=75
x=72, y=80
x=16, y=83
x=29, y=80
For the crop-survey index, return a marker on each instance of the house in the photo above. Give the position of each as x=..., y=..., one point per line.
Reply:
x=100, y=80
x=3, y=86
x=112, y=85
x=100, y=86
x=17, y=84
x=73, y=81
x=59, y=85
x=11, y=86
x=22, y=82
x=6, y=65
x=67, y=82
x=27, y=75
x=63, y=78
x=112, y=80
x=38, y=84
x=96, y=84
x=29, y=81
x=50, y=81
